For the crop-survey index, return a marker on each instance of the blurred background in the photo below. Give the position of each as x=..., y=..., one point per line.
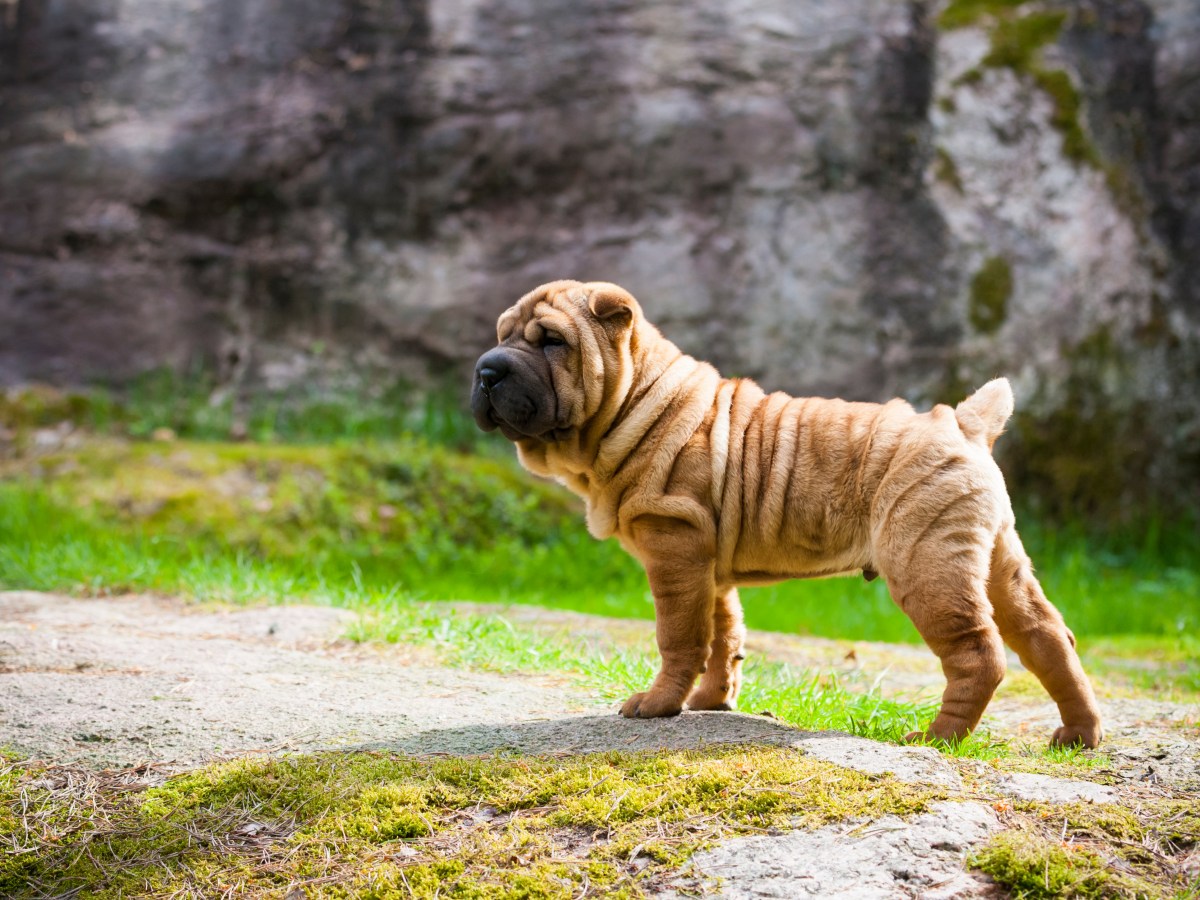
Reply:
x=296, y=222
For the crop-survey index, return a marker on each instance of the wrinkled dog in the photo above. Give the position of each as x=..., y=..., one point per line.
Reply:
x=712, y=483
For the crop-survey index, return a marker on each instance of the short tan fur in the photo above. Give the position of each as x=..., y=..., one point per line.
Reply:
x=712, y=483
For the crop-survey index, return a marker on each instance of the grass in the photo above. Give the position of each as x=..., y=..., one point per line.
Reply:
x=241, y=521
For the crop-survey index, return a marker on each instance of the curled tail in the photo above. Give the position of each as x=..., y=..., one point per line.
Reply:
x=982, y=415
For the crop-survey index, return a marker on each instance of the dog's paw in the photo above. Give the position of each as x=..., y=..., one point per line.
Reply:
x=1077, y=736
x=706, y=699
x=651, y=705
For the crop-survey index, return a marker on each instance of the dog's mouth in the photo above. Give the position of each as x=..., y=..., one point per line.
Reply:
x=516, y=416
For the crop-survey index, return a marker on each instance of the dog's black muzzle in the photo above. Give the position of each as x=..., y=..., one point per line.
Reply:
x=510, y=394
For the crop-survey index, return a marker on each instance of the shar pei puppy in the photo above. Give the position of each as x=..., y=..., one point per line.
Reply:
x=712, y=483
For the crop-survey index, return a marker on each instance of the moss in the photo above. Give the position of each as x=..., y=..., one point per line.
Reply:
x=991, y=289
x=945, y=171
x=973, y=75
x=1066, y=116
x=1016, y=43
x=378, y=825
x=1034, y=866
x=1092, y=850
x=1088, y=458
x=961, y=13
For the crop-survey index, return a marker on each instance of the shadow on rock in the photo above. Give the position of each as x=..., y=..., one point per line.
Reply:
x=691, y=730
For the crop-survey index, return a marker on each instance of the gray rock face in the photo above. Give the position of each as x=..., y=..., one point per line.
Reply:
x=881, y=860
x=835, y=198
x=1027, y=786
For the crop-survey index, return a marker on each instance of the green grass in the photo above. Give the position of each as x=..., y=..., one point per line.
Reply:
x=245, y=521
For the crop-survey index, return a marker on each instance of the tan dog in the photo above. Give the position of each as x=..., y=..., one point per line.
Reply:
x=712, y=483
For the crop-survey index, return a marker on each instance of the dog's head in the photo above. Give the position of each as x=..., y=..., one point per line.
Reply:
x=563, y=354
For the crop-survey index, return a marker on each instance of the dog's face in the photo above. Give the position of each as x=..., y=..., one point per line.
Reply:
x=563, y=349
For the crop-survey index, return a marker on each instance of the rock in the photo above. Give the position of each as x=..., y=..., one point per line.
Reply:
x=889, y=857
x=913, y=764
x=1025, y=786
x=835, y=198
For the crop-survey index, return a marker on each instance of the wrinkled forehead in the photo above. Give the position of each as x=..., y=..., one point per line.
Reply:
x=556, y=305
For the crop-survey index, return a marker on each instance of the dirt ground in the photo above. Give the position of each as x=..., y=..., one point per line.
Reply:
x=119, y=682
x=126, y=680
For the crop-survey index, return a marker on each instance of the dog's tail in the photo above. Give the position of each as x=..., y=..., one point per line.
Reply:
x=982, y=415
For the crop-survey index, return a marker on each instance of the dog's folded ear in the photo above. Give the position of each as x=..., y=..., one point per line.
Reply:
x=609, y=302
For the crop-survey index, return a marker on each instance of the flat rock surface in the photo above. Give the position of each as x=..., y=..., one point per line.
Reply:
x=121, y=681
x=116, y=682
x=885, y=858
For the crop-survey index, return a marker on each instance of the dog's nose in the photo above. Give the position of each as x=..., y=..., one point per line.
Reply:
x=491, y=368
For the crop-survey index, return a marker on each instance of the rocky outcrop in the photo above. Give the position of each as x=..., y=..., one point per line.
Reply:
x=861, y=199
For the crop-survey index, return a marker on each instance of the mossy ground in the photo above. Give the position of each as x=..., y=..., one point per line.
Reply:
x=1140, y=848
x=382, y=826
x=379, y=825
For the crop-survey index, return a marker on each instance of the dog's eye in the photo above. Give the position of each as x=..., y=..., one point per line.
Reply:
x=551, y=339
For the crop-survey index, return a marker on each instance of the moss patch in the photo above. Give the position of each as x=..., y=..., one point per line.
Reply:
x=991, y=289
x=1016, y=44
x=945, y=170
x=1088, y=850
x=377, y=825
x=1066, y=116
x=961, y=13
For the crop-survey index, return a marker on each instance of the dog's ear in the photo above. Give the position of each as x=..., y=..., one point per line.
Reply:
x=611, y=303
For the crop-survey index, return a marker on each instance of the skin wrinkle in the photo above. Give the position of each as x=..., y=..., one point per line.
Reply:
x=719, y=443
x=895, y=504
x=712, y=483
x=936, y=519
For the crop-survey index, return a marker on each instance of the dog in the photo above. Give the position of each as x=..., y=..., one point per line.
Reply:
x=712, y=483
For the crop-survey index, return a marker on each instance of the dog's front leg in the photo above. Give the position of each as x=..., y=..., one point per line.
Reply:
x=679, y=564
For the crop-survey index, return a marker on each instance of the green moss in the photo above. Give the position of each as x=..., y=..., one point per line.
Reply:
x=973, y=75
x=1066, y=116
x=945, y=171
x=378, y=825
x=1088, y=458
x=1033, y=866
x=1017, y=42
x=961, y=13
x=991, y=289
x=1093, y=850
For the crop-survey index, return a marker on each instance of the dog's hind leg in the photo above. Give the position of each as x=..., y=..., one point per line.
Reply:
x=719, y=685
x=942, y=588
x=1035, y=629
